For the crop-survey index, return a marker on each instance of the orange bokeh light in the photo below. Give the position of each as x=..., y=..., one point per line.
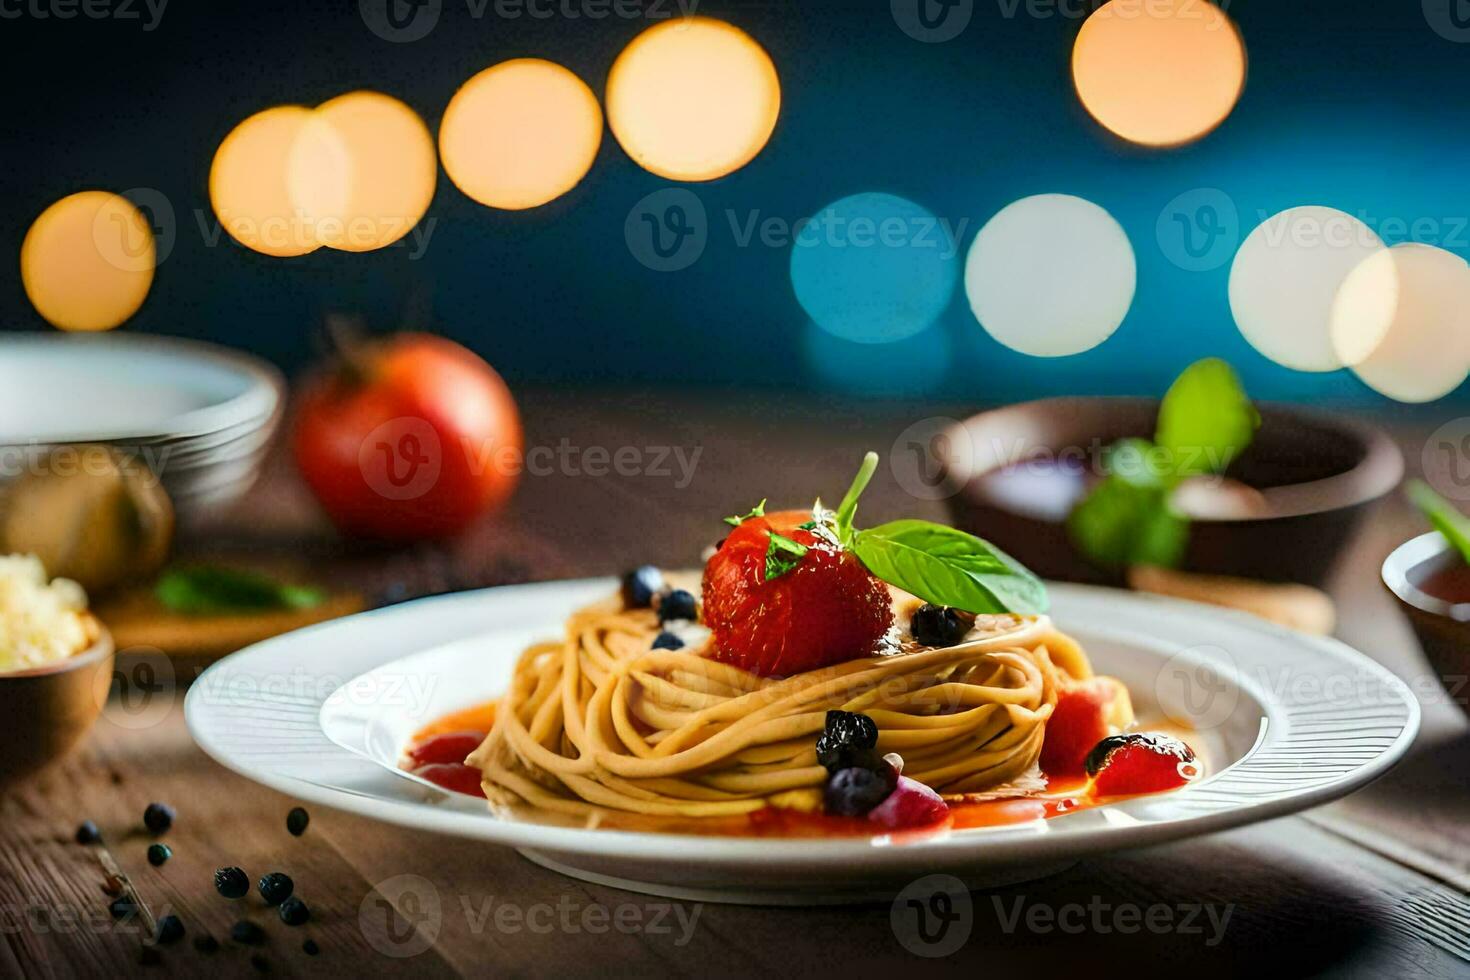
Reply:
x=1159, y=72
x=87, y=262
x=520, y=134
x=248, y=185
x=693, y=99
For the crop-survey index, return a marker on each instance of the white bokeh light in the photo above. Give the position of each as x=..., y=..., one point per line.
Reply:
x=1051, y=275
x=1401, y=320
x=1285, y=277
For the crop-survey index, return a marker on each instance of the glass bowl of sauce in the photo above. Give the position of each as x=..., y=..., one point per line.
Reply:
x=1431, y=582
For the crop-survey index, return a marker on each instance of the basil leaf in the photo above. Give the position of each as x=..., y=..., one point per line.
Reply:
x=1206, y=420
x=1445, y=517
x=847, y=510
x=759, y=510
x=203, y=590
x=1122, y=522
x=949, y=567
x=782, y=555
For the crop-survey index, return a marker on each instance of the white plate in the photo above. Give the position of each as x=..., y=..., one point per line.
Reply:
x=61, y=388
x=1286, y=721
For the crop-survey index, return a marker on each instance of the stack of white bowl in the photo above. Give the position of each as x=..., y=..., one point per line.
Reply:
x=199, y=415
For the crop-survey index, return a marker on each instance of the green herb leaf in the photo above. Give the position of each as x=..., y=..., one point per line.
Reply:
x=1206, y=420
x=759, y=510
x=949, y=567
x=1445, y=517
x=848, y=509
x=782, y=555
x=204, y=590
x=1122, y=522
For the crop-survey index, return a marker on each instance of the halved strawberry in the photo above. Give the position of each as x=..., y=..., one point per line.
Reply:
x=825, y=609
x=1077, y=723
x=1123, y=765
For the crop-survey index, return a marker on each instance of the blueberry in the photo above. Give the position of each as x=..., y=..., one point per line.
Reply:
x=939, y=626
x=678, y=604
x=87, y=833
x=850, y=739
x=159, y=817
x=275, y=887
x=232, y=882
x=641, y=585
x=170, y=930
x=297, y=820
x=247, y=933
x=310, y=948
x=206, y=944
x=667, y=641
x=294, y=912
x=159, y=853
x=123, y=908
x=853, y=792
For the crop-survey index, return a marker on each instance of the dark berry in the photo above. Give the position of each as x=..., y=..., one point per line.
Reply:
x=297, y=820
x=247, y=933
x=939, y=626
x=170, y=930
x=849, y=740
x=87, y=833
x=261, y=964
x=275, y=887
x=159, y=853
x=667, y=641
x=640, y=586
x=123, y=908
x=294, y=911
x=853, y=792
x=206, y=944
x=310, y=948
x=678, y=604
x=159, y=817
x=232, y=882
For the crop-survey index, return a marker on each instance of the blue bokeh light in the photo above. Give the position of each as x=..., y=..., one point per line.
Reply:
x=874, y=268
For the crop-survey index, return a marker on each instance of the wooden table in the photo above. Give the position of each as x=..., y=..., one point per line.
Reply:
x=1371, y=886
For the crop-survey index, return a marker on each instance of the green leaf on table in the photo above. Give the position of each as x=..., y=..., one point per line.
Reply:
x=1124, y=523
x=782, y=555
x=206, y=590
x=949, y=567
x=1205, y=420
x=1445, y=517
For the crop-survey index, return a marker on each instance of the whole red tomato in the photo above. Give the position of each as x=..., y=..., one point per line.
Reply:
x=410, y=437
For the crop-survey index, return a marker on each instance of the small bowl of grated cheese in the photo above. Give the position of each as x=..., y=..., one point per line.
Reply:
x=55, y=666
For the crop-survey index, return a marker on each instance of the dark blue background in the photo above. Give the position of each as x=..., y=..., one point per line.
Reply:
x=1358, y=104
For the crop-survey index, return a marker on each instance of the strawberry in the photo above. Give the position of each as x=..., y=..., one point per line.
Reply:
x=1078, y=723
x=1123, y=765
x=820, y=608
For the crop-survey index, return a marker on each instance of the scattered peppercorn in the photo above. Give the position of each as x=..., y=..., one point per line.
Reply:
x=247, y=933
x=123, y=908
x=640, y=586
x=275, y=887
x=87, y=833
x=232, y=882
x=297, y=820
x=310, y=948
x=294, y=912
x=678, y=604
x=667, y=641
x=159, y=853
x=170, y=930
x=159, y=817
x=206, y=944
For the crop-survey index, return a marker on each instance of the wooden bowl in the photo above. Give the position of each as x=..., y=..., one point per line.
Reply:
x=1443, y=627
x=47, y=710
x=1315, y=476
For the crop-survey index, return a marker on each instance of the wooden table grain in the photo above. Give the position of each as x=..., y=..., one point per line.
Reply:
x=1374, y=885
